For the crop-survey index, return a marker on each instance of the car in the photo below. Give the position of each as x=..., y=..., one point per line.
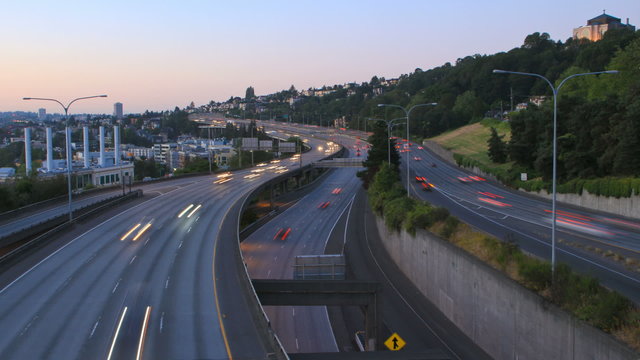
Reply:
x=419, y=178
x=427, y=186
x=464, y=179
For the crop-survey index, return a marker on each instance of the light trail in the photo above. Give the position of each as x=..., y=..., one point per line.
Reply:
x=115, y=337
x=129, y=232
x=185, y=210
x=143, y=333
x=194, y=210
x=141, y=231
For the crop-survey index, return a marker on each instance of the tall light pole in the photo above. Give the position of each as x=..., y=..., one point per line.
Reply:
x=390, y=125
x=407, y=113
x=555, y=90
x=68, y=138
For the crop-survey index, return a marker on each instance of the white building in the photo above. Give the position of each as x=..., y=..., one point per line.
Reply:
x=117, y=110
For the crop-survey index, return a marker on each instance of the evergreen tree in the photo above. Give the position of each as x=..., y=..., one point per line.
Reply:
x=497, y=148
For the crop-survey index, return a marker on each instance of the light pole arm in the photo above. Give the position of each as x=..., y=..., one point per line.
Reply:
x=590, y=73
x=47, y=99
x=82, y=98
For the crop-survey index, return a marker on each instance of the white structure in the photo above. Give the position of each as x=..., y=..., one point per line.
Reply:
x=6, y=173
x=85, y=138
x=116, y=144
x=27, y=149
x=49, y=149
x=102, y=158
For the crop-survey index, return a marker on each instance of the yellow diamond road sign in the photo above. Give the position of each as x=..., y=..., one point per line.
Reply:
x=395, y=342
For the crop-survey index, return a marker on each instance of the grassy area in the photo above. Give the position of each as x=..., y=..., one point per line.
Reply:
x=471, y=140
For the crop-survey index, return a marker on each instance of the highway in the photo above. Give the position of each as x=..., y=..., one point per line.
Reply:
x=138, y=285
x=302, y=229
x=509, y=214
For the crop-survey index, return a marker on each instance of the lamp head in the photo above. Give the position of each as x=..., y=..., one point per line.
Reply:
x=611, y=72
x=26, y=98
x=379, y=105
x=496, y=71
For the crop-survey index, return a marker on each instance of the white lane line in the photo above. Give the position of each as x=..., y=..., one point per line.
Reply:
x=268, y=272
x=94, y=328
x=366, y=236
x=143, y=333
x=133, y=258
x=297, y=347
x=180, y=245
x=275, y=259
x=189, y=229
x=166, y=283
x=28, y=325
x=147, y=240
x=294, y=311
x=115, y=336
x=115, y=287
x=197, y=219
x=161, y=321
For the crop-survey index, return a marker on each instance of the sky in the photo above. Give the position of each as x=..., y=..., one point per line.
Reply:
x=155, y=55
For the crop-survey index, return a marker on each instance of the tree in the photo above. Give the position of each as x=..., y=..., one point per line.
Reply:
x=378, y=153
x=497, y=147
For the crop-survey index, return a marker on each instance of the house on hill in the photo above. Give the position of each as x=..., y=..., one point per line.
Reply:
x=596, y=27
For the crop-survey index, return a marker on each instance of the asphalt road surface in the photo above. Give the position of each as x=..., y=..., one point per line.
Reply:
x=525, y=219
x=138, y=284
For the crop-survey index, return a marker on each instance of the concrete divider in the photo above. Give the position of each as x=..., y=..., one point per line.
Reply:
x=59, y=224
x=504, y=318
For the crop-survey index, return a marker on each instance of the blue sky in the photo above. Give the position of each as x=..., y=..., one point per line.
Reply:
x=159, y=54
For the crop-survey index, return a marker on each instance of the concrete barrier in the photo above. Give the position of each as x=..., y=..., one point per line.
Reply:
x=58, y=225
x=505, y=319
x=629, y=207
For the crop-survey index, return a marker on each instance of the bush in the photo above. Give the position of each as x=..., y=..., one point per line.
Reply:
x=439, y=214
x=534, y=273
x=395, y=211
x=418, y=218
x=450, y=226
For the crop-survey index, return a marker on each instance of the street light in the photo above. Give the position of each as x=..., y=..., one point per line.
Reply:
x=390, y=125
x=407, y=113
x=555, y=140
x=68, y=138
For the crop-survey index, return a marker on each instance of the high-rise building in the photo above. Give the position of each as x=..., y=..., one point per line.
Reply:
x=42, y=114
x=596, y=27
x=117, y=110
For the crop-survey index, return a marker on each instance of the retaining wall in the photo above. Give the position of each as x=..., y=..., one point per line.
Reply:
x=501, y=316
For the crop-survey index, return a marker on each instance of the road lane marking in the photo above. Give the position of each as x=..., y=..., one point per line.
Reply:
x=147, y=241
x=28, y=325
x=166, y=283
x=115, y=336
x=269, y=273
x=77, y=237
x=115, y=287
x=143, y=333
x=123, y=238
x=94, y=328
x=297, y=347
x=133, y=258
x=161, y=321
x=294, y=311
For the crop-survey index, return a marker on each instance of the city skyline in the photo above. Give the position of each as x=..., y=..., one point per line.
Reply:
x=155, y=56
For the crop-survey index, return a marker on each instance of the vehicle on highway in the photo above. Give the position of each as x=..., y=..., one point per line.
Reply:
x=427, y=186
x=464, y=179
x=420, y=178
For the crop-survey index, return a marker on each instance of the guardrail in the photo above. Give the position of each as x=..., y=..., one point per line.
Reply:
x=258, y=314
x=56, y=225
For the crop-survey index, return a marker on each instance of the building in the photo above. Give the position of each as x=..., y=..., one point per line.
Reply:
x=117, y=110
x=161, y=152
x=42, y=114
x=6, y=174
x=596, y=27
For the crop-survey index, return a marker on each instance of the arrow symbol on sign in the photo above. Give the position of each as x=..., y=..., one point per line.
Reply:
x=395, y=342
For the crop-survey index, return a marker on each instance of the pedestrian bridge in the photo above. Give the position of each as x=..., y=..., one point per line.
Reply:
x=339, y=163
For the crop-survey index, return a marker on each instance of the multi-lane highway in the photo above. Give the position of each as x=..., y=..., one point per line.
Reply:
x=138, y=285
x=526, y=219
x=302, y=229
